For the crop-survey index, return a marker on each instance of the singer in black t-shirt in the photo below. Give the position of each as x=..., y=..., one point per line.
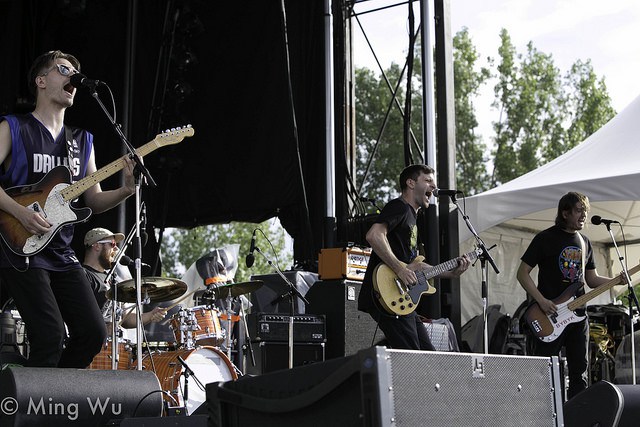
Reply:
x=394, y=241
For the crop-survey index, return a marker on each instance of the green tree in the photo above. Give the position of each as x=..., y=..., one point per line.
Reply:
x=181, y=247
x=588, y=102
x=471, y=171
x=379, y=128
x=530, y=100
x=542, y=115
x=378, y=133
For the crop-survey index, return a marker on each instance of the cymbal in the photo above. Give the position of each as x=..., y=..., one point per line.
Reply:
x=157, y=289
x=236, y=289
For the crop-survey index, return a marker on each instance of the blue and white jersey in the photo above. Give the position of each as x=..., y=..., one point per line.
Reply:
x=34, y=152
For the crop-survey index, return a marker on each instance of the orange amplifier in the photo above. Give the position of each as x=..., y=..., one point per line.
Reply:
x=343, y=263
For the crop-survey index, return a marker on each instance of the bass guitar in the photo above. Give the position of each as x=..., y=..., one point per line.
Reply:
x=400, y=299
x=548, y=327
x=53, y=194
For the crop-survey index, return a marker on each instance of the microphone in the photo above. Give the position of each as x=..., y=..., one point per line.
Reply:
x=187, y=372
x=79, y=81
x=597, y=220
x=250, y=257
x=440, y=192
x=128, y=262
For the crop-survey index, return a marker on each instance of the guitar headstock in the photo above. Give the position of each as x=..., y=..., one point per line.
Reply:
x=174, y=135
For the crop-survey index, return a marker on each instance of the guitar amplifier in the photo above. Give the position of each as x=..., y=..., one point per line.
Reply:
x=343, y=263
x=273, y=327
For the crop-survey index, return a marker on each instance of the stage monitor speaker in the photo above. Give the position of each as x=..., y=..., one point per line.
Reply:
x=190, y=421
x=63, y=397
x=271, y=297
x=604, y=404
x=273, y=356
x=348, y=330
x=382, y=387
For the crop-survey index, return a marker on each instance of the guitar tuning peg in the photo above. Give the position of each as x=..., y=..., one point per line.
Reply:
x=173, y=129
x=166, y=131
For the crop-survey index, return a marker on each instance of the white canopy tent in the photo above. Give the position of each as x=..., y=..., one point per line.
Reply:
x=605, y=167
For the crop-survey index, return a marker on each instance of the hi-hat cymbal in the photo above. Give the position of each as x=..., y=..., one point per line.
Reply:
x=157, y=289
x=235, y=289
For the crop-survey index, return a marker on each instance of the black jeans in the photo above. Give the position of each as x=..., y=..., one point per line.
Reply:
x=403, y=332
x=46, y=301
x=575, y=339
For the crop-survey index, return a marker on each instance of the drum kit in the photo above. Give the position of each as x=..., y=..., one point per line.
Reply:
x=199, y=338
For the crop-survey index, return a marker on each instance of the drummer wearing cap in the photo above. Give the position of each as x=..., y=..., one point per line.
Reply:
x=101, y=248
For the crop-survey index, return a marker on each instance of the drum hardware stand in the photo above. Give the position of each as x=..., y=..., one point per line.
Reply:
x=633, y=301
x=228, y=301
x=208, y=297
x=116, y=312
x=186, y=373
x=292, y=293
x=186, y=323
x=483, y=257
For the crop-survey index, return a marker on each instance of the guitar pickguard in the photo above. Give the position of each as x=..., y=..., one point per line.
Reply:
x=57, y=212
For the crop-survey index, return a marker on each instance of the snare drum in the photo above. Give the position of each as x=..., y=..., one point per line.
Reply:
x=103, y=359
x=197, y=326
x=207, y=363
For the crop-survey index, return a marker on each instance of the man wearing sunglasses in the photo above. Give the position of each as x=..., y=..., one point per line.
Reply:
x=101, y=248
x=50, y=288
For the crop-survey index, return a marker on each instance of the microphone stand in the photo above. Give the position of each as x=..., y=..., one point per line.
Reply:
x=633, y=299
x=187, y=372
x=138, y=172
x=110, y=280
x=483, y=257
x=292, y=293
x=247, y=344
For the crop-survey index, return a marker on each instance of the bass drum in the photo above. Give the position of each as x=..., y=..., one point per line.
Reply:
x=208, y=364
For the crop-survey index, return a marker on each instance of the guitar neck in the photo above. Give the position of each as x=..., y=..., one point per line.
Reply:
x=75, y=190
x=583, y=299
x=436, y=270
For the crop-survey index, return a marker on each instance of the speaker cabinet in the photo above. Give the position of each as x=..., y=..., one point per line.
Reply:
x=63, y=397
x=604, y=404
x=348, y=330
x=273, y=356
x=381, y=387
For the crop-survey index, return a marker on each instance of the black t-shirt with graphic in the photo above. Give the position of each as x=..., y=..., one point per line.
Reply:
x=402, y=234
x=558, y=255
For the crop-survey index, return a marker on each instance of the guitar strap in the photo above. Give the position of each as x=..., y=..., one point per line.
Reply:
x=69, y=139
x=583, y=250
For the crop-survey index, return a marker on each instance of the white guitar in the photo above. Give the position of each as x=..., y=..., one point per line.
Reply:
x=53, y=194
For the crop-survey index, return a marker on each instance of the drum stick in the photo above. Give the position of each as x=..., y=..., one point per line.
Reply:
x=180, y=300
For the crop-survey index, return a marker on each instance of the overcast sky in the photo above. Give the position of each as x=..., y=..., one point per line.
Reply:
x=608, y=33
